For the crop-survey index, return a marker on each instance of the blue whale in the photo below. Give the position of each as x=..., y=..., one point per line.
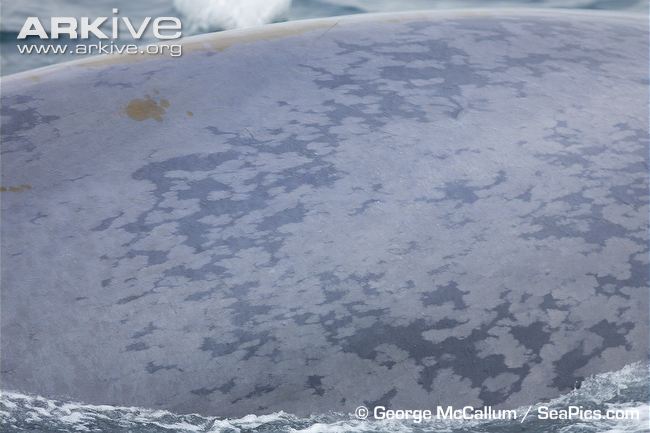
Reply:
x=404, y=210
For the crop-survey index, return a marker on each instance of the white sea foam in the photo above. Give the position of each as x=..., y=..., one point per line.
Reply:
x=206, y=15
x=625, y=389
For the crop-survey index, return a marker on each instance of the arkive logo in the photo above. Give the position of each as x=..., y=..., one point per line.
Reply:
x=163, y=28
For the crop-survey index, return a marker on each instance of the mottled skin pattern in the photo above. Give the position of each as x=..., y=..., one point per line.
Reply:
x=408, y=212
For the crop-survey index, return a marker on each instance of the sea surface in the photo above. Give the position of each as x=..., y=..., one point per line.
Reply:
x=199, y=16
x=624, y=390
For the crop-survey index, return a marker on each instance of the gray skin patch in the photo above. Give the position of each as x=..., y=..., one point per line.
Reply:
x=406, y=213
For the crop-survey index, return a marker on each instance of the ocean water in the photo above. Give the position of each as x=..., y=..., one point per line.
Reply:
x=199, y=16
x=624, y=390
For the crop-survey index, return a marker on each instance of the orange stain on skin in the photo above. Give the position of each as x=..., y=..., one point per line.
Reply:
x=146, y=108
x=19, y=188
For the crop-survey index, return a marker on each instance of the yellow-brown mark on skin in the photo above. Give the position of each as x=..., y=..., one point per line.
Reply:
x=19, y=188
x=143, y=109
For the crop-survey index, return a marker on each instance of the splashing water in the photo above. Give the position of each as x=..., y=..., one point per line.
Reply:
x=206, y=15
x=623, y=390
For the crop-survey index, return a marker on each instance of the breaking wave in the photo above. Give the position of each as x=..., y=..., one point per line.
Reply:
x=206, y=15
x=626, y=389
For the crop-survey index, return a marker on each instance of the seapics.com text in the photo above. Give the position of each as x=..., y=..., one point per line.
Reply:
x=469, y=413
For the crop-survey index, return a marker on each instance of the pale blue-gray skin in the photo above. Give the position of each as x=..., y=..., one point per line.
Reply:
x=410, y=211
